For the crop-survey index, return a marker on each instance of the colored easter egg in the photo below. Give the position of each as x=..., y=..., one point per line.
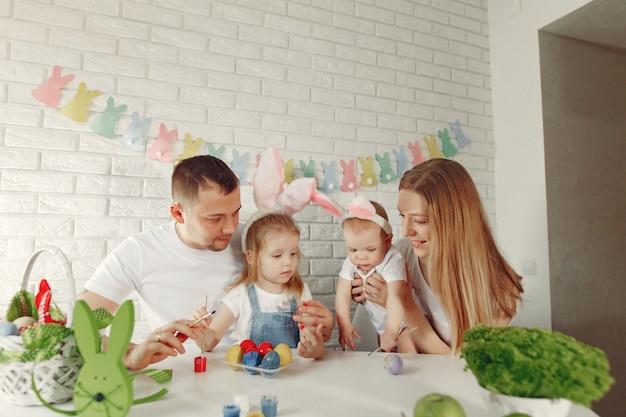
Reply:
x=8, y=329
x=284, y=351
x=234, y=355
x=264, y=347
x=393, y=364
x=271, y=362
x=23, y=321
x=247, y=345
x=251, y=359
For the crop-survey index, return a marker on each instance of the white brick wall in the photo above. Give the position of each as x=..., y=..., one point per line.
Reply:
x=321, y=79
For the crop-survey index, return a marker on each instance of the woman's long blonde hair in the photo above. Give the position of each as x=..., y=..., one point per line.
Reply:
x=473, y=281
x=255, y=241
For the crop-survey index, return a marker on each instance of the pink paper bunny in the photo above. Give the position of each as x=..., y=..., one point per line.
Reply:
x=76, y=109
x=416, y=151
x=161, y=150
x=49, y=93
x=350, y=182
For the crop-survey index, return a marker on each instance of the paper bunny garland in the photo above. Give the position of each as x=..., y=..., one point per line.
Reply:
x=270, y=194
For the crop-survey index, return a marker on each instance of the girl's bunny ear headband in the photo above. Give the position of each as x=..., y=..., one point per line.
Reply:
x=361, y=208
x=270, y=195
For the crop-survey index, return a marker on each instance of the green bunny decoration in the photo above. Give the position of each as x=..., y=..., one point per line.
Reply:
x=104, y=386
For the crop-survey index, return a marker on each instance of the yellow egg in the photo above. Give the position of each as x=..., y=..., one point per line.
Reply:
x=234, y=355
x=284, y=351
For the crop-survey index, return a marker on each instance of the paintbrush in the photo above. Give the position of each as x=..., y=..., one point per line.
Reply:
x=400, y=337
x=206, y=302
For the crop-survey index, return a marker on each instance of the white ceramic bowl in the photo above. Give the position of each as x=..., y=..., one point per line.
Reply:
x=502, y=405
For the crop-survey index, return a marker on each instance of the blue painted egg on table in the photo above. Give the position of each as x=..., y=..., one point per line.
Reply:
x=270, y=362
x=393, y=364
x=251, y=359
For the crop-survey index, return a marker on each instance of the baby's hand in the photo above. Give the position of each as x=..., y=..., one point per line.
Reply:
x=311, y=345
x=346, y=336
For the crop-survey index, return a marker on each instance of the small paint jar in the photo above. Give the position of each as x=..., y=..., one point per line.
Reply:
x=269, y=405
x=230, y=410
x=199, y=364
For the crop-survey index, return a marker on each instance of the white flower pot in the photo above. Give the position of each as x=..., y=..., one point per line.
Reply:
x=502, y=405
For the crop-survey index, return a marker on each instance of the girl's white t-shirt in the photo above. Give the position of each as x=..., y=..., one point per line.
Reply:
x=238, y=303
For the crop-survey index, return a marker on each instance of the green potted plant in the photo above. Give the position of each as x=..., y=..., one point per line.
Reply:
x=534, y=371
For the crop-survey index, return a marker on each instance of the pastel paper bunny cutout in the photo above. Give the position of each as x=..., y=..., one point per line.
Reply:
x=433, y=151
x=308, y=170
x=461, y=139
x=76, y=109
x=402, y=163
x=238, y=166
x=288, y=167
x=161, y=150
x=350, y=182
x=104, y=124
x=387, y=174
x=270, y=194
x=216, y=152
x=133, y=137
x=368, y=177
x=191, y=147
x=416, y=151
x=103, y=387
x=49, y=93
x=330, y=183
x=448, y=148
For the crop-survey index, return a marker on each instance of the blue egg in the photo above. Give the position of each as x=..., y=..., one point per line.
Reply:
x=270, y=364
x=393, y=364
x=8, y=329
x=251, y=359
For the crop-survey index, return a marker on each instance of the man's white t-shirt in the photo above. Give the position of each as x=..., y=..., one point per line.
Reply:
x=238, y=303
x=170, y=278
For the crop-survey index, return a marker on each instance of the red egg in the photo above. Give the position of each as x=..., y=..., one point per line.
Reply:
x=264, y=347
x=248, y=345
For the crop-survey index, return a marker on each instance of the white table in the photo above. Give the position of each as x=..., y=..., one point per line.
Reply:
x=341, y=384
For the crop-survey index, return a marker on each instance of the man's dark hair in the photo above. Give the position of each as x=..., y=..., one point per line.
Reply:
x=192, y=174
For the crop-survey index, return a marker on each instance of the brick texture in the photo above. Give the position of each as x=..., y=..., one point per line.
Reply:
x=321, y=81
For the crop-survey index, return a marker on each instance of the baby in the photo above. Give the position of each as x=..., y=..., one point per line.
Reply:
x=368, y=235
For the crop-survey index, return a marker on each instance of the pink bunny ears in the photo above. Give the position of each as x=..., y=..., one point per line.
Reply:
x=361, y=208
x=271, y=196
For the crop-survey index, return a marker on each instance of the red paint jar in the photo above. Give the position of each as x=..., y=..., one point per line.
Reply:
x=199, y=364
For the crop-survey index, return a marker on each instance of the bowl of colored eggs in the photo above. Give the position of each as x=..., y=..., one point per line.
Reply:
x=264, y=358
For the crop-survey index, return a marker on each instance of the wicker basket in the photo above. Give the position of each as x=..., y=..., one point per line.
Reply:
x=54, y=378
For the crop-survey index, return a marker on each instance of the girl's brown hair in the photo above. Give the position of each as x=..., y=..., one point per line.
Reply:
x=256, y=239
x=473, y=281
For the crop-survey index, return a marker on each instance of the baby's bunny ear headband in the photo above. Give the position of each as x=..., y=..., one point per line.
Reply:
x=270, y=195
x=361, y=208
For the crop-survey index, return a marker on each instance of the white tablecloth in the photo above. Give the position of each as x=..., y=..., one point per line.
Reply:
x=340, y=384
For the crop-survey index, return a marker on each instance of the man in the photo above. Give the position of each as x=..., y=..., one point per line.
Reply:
x=177, y=267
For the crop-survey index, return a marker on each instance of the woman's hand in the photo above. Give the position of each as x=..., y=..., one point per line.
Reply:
x=311, y=314
x=374, y=289
x=311, y=344
x=160, y=344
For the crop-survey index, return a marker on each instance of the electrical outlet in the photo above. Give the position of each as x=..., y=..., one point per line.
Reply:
x=529, y=266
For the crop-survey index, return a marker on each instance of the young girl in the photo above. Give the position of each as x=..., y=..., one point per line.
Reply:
x=266, y=295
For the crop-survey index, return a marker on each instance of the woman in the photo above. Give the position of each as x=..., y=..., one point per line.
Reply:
x=459, y=276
